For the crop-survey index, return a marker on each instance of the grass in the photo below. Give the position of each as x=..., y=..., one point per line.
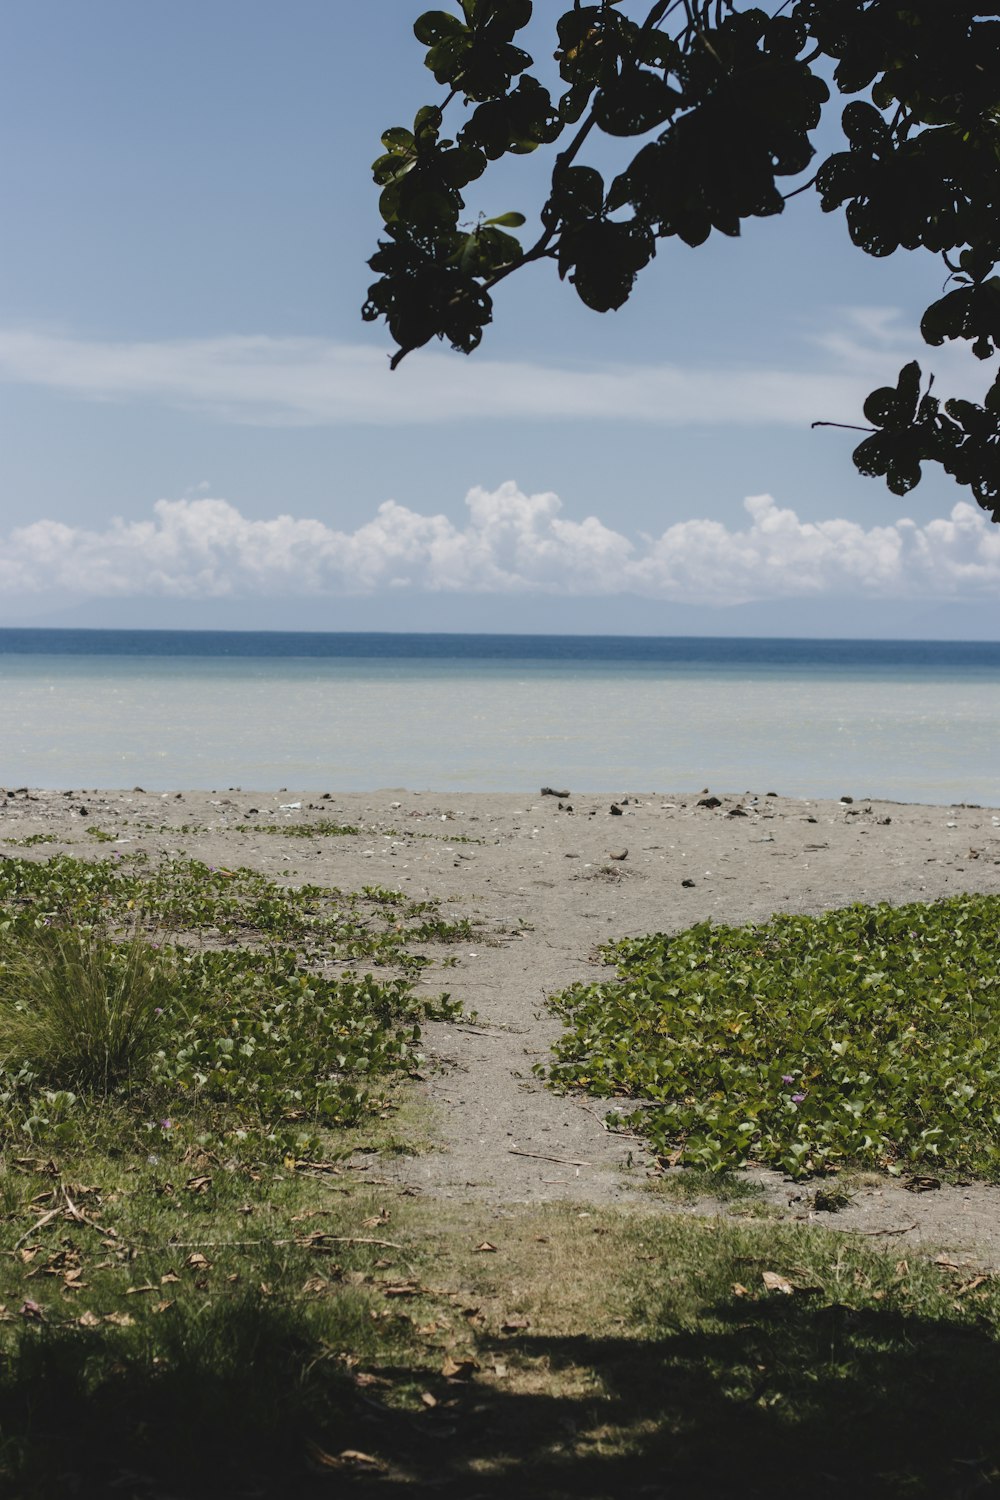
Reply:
x=81, y=1011
x=304, y=1334
x=694, y=1184
x=174, y=1106
x=868, y=1036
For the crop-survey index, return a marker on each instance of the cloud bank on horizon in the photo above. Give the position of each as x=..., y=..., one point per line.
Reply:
x=511, y=543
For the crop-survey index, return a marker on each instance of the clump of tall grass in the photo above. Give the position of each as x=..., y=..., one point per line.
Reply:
x=81, y=1011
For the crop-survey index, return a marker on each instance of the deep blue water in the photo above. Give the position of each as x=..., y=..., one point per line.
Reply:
x=679, y=653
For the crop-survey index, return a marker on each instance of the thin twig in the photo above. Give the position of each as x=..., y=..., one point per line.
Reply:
x=53, y=1213
x=587, y=1110
x=329, y=1239
x=353, y=1239
x=905, y=1230
x=796, y=191
x=81, y=1218
x=69, y=1210
x=562, y=1161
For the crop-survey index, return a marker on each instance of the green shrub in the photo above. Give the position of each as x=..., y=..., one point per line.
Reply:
x=870, y=1035
x=79, y=1011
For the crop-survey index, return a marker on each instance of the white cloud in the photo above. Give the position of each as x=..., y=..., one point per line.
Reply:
x=316, y=382
x=510, y=543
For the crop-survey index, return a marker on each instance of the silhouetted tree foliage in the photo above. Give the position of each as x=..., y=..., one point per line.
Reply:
x=721, y=101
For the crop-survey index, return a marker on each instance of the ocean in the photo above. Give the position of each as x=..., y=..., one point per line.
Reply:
x=904, y=720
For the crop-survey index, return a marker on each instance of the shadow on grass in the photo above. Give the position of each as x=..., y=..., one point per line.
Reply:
x=781, y=1398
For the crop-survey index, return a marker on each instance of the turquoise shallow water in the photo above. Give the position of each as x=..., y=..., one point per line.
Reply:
x=917, y=725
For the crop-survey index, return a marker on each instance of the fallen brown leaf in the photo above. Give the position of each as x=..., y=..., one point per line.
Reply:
x=970, y=1286
x=486, y=1248
x=59, y=1260
x=922, y=1184
x=315, y=1284
x=355, y=1456
x=777, y=1283
x=347, y=1456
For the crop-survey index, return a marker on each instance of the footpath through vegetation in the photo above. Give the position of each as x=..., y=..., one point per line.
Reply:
x=205, y=1289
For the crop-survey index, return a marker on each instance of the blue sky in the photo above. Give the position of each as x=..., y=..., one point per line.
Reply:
x=199, y=429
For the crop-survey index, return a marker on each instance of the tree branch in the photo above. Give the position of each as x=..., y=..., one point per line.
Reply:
x=541, y=247
x=796, y=191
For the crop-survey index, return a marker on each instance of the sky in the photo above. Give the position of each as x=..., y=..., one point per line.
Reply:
x=199, y=430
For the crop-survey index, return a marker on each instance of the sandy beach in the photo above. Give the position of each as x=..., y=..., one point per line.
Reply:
x=548, y=878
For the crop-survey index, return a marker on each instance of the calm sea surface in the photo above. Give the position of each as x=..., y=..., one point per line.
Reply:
x=913, y=721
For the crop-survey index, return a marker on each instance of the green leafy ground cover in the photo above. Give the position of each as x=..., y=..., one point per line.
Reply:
x=869, y=1035
x=185, y=898
x=257, y=1047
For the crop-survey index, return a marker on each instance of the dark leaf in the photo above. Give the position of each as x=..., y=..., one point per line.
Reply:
x=634, y=103
x=435, y=25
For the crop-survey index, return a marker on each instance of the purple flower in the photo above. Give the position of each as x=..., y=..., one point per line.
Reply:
x=788, y=1077
x=797, y=1098
x=166, y=1124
